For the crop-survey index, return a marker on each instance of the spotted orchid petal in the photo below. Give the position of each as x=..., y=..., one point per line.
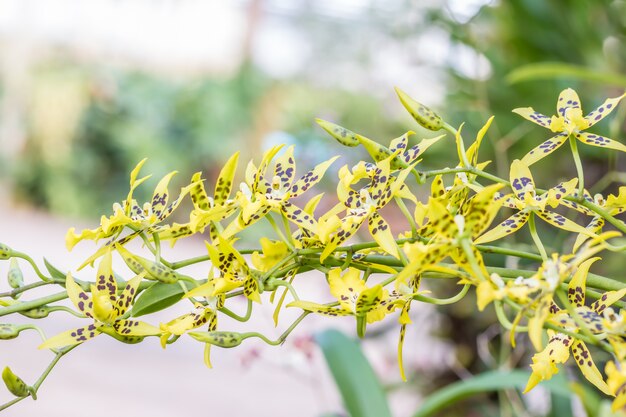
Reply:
x=224, y=183
x=72, y=337
x=560, y=221
x=78, y=296
x=134, y=183
x=285, y=167
x=410, y=155
x=568, y=100
x=482, y=210
x=400, y=143
x=521, y=179
x=600, y=141
x=556, y=194
x=607, y=299
x=299, y=217
x=505, y=228
x=135, y=328
x=594, y=227
x=603, y=110
x=106, y=286
x=585, y=362
x=544, y=363
x=577, y=285
x=125, y=299
x=381, y=232
x=530, y=114
x=319, y=308
x=349, y=225
x=199, y=196
x=161, y=195
x=545, y=149
x=310, y=178
x=259, y=174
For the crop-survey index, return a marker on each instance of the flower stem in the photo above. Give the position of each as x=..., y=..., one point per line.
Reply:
x=579, y=166
x=535, y=236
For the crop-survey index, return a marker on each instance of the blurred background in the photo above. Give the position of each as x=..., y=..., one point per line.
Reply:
x=88, y=89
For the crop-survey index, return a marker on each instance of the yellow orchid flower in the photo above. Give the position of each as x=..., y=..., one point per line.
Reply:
x=207, y=209
x=273, y=252
x=105, y=307
x=526, y=200
x=569, y=121
x=234, y=270
x=354, y=296
x=613, y=205
x=259, y=193
x=616, y=380
x=558, y=348
x=365, y=203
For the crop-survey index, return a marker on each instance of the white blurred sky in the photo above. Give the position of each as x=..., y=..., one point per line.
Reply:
x=208, y=36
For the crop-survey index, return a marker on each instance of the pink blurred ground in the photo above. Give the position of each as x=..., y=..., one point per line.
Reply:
x=104, y=377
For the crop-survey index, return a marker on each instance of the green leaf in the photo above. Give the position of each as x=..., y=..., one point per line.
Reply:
x=486, y=382
x=552, y=70
x=156, y=298
x=54, y=272
x=360, y=389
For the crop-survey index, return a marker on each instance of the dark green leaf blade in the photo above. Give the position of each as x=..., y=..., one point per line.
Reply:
x=486, y=382
x=360, y=389
x=156, y=298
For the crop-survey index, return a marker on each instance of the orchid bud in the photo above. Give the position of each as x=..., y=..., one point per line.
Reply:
x=14, y=383
x=219, y=338
x=424, y=116
x=154, y=270
x=9, y=331
x=15, y=276
x=5, y=252
x=344, y=136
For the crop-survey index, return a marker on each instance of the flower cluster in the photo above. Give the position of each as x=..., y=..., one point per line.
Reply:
x=371, y=274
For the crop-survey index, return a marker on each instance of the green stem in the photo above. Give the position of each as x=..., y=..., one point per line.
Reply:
x=459, y=142
x=33, y=265
x=282, y=337
x=443, y=301
x=504, y=320
x=28, y=305
x=279, y=232
x=533, y=233
x=157, y=247
x=405, y=211
x=286, y=284
x=24, y=288
x=573, y=143
x=237, y=317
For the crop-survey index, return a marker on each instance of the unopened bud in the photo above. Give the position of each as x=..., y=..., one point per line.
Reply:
x=15, y=276
x=424, y=116
x=14, y=383
x=36, y=313
x=154, y=270
x=344, y=136
x=9, y=331
x=219, y=338
x=5, y=252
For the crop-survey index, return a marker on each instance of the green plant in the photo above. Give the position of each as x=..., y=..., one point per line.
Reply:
x=444, y=238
